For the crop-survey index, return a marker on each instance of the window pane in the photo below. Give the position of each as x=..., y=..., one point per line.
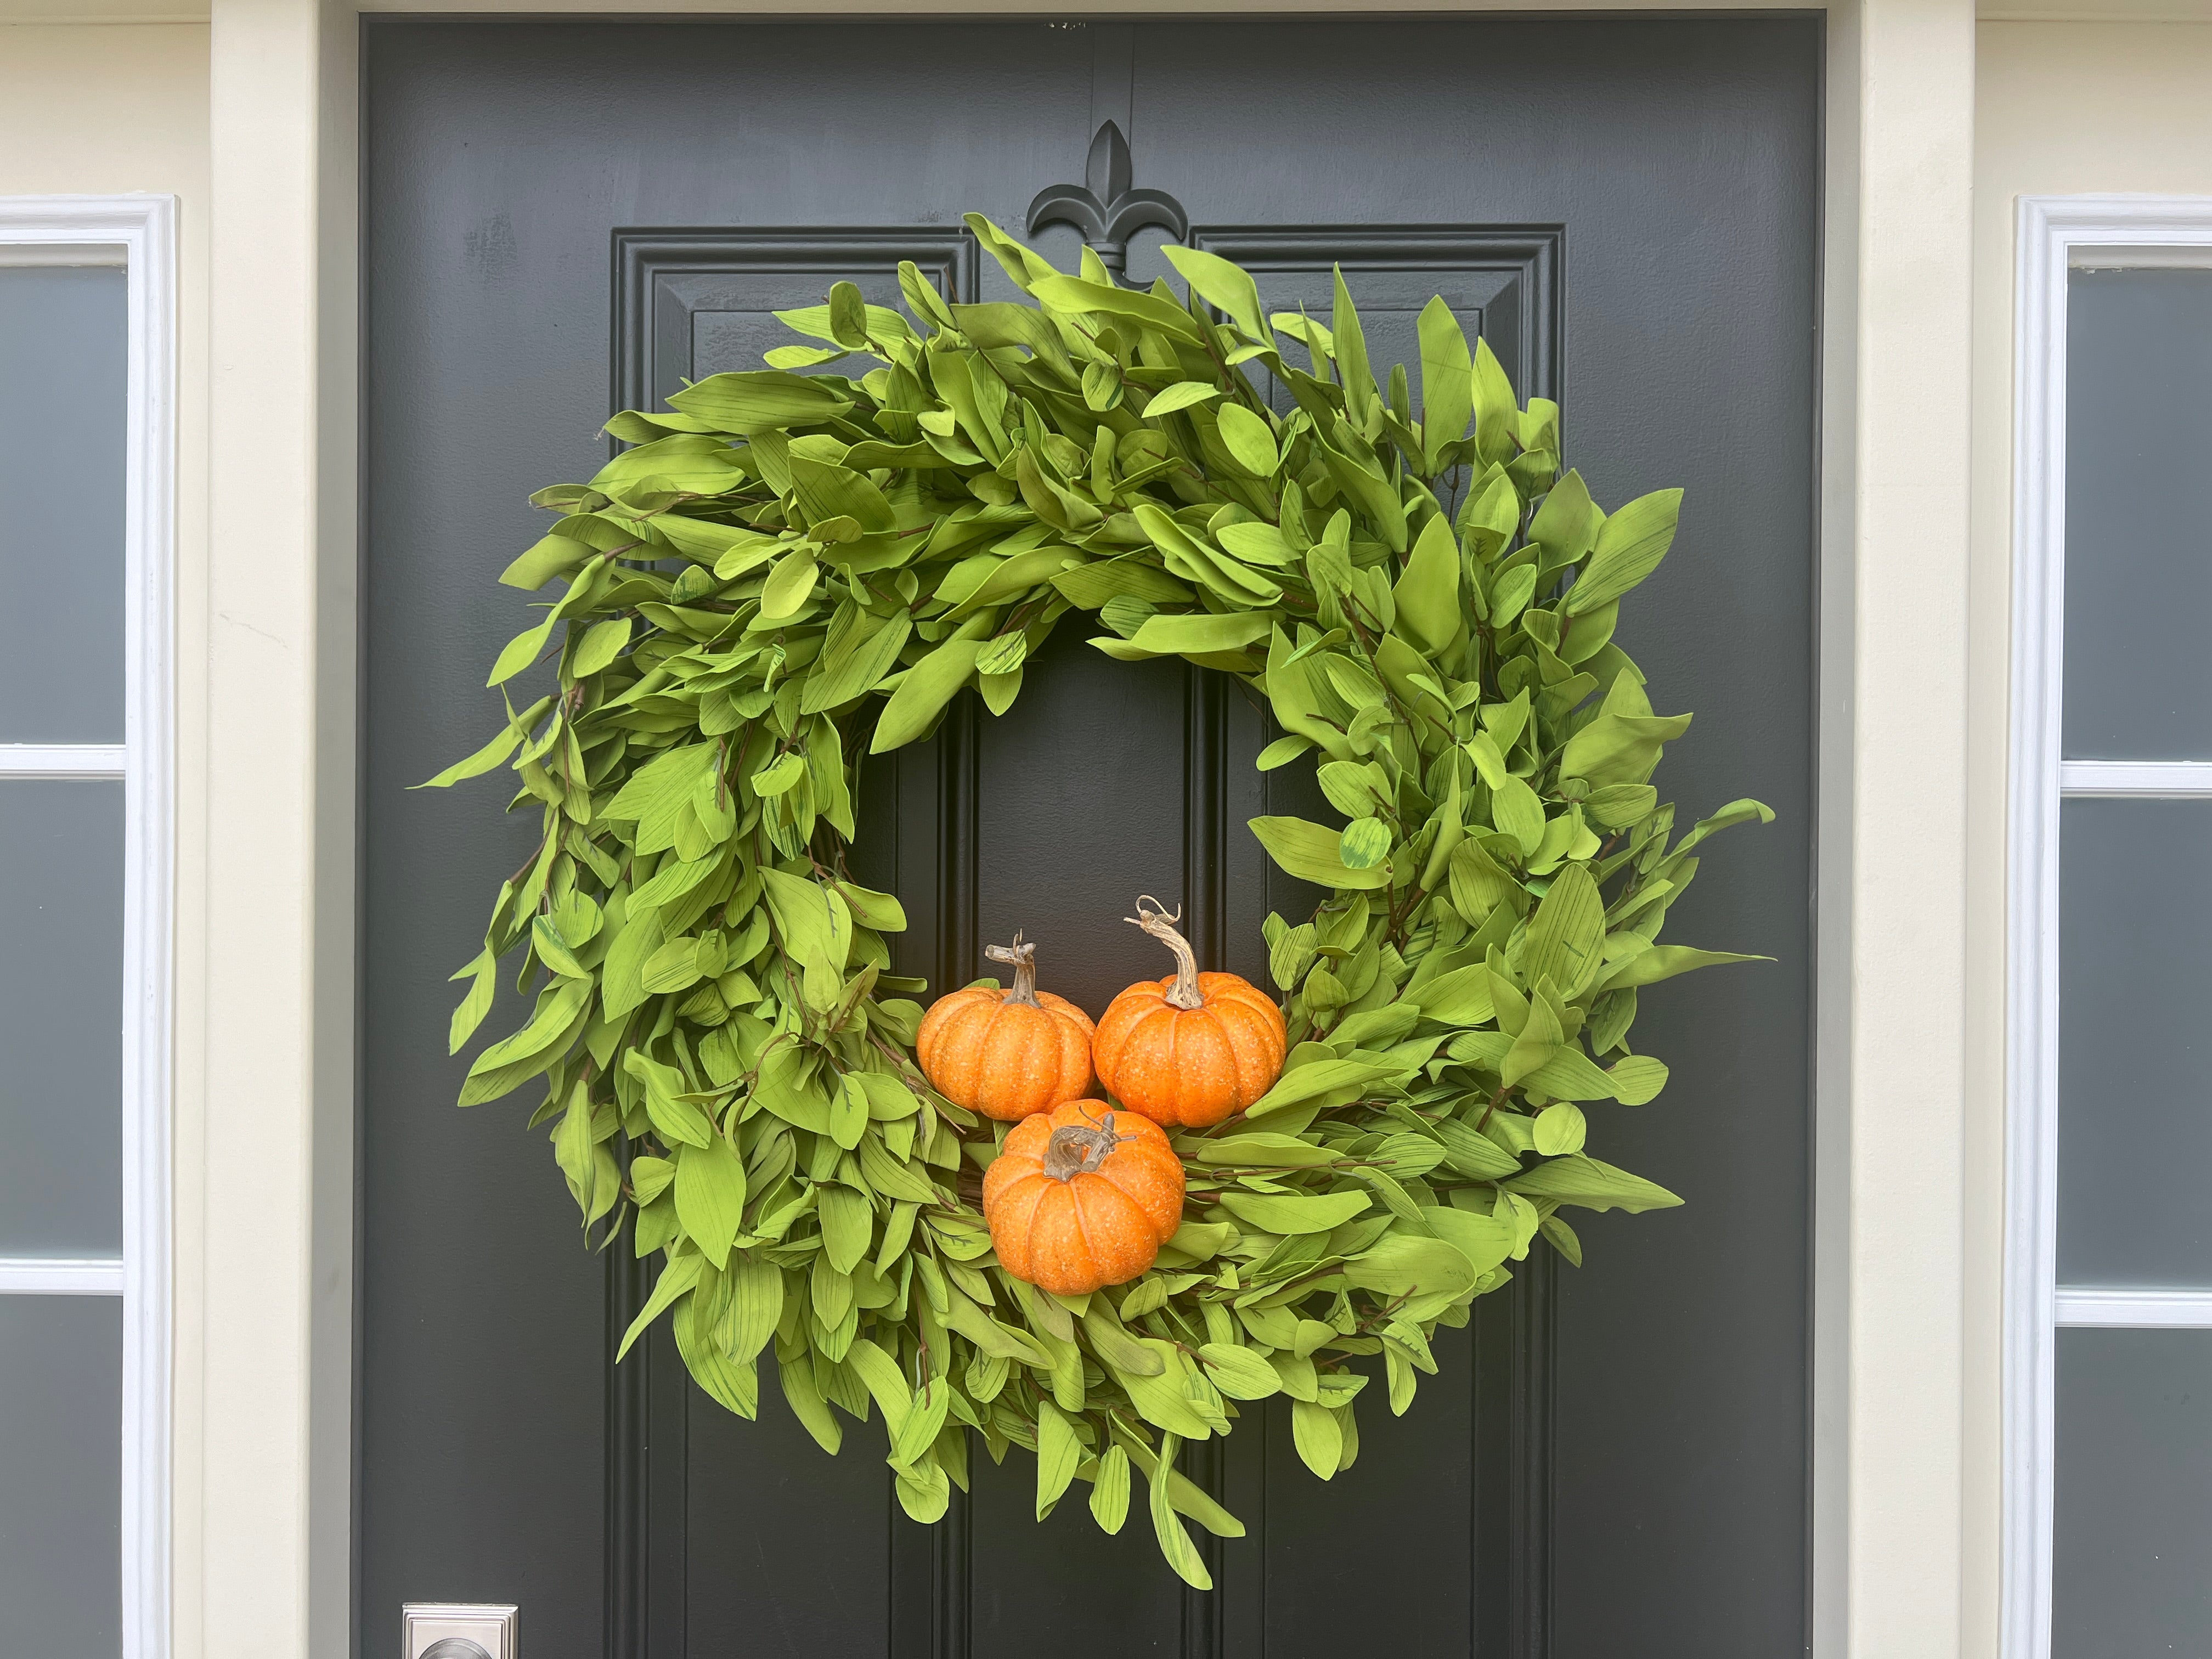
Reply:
x=2138, y=514
x=61, y=1475
x=2131, y=1569
x=2135, y=1046
x=62, y=337
x=61, y=1018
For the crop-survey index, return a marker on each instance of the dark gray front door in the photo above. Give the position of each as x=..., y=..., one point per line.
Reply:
x=566, y=217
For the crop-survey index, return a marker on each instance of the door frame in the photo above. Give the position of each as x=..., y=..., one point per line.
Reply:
x=263, y=1512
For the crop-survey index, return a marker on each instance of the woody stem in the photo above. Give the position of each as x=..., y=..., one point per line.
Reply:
x=1184, y=993
x=1022, y=958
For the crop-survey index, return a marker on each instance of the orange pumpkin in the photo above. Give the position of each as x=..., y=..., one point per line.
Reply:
x=1192, y=1048
x=1075, y=1201
x=1006, y=1054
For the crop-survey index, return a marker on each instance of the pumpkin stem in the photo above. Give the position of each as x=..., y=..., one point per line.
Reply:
x=1022, y=958
x=1077, y=1149
x=1184, y=993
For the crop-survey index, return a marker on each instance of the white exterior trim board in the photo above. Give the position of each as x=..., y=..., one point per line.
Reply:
x=2056, y=234
x=139, y=232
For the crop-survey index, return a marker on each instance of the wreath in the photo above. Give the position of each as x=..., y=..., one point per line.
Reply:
x=790, y=571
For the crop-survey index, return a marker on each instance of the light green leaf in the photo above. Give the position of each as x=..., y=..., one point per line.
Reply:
x=1181, y=395
x=1665, y=961
x=1560, y=1128
x=1109, y=1490
x=1516, y=809
x=1225, y=287
x=493, y=753
x=761, y=400
x=922, y=695
x=1060, y=1453
x=788, y=586
x=1352, y=367
x=1629, y=548
x=602, y=643
x=1321, y=1080
x=1583, y=1181
x=1239, y=1372
x=1427, y=593
x=1250, y=441
x=1447, y=382
x=1364, y=843
x=1638, y=1078
x=676, y=1279
x=1175, y=1543
x=1566, y=936
x=710, y=1196
x=1072, y=294
x=1310, y=851
x=1319, y=1438
x=1279, y=1212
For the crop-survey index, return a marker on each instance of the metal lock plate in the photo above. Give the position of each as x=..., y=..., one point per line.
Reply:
x=458, y=1630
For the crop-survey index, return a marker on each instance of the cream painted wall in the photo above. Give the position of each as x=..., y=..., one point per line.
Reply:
x=2060, y=108
x=110, y=108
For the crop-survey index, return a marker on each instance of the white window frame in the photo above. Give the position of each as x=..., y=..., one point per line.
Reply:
x=137, y=232
x=2056, y=235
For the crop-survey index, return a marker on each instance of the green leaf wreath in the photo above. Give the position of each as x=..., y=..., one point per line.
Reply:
x=790, y=571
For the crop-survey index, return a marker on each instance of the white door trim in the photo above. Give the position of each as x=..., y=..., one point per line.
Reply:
x=140, y=233
x=2056, y=233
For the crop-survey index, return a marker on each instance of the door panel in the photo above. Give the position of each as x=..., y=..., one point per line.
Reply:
x=1613, y=1461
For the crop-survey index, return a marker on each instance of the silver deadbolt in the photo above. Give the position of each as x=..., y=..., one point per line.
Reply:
x=458, y=1630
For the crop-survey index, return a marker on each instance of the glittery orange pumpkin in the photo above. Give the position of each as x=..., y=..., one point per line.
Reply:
x=1190, y=1048
x=1081, y=1198
x=1006, y=1054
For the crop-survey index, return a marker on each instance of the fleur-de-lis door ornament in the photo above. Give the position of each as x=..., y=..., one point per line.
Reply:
x=1103, y=207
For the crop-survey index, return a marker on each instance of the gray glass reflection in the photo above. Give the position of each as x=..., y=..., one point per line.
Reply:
x=62, y=344
x=61, y=1018
x=2134, y=1045
x=61, y=1475
x=2132, y=1557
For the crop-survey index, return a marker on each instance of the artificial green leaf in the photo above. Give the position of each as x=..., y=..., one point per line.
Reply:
x=1629, y=548
x=922, y=695
x=1181, y=395
x=1560, y=1128
x=1275, y=1212
x=1226, y=287
x=750, y=402
x=1312, y=852
x=1109, y=1490
x=1059, y=1454
x=1319, y=1438
x=1250, y=441
x=1447, y=382
x=1175, y=1543
x=710, y=1196
x=1073, y=295
x=1585, y=1182
x=1239, y=1372
x=1665, y=961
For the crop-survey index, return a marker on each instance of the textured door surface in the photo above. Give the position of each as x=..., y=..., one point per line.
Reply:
x=566, y=217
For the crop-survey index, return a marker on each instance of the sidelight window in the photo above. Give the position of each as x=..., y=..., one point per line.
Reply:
x=84, y=972
x=2110, y=1304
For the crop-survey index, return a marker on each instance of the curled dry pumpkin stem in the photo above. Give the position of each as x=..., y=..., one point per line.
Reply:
x=1156, y=921
x=1077, y=1148
x=1022, y=959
